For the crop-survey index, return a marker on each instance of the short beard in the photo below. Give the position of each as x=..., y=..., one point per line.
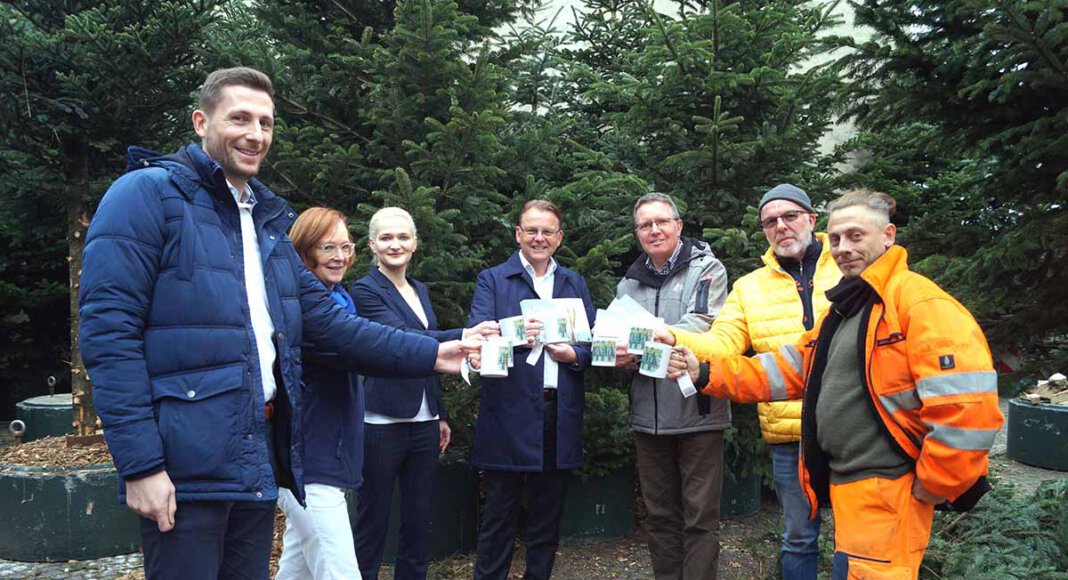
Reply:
x=804, y=244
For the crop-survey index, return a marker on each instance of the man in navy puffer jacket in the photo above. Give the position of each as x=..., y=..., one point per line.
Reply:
x=193, y=307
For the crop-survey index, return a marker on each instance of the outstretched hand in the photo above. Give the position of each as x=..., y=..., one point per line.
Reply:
x=683, y=361
x=485, y=329
x=451, y=353
x=664, y=336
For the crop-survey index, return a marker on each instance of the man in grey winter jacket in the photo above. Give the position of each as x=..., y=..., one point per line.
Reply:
x=679, y=439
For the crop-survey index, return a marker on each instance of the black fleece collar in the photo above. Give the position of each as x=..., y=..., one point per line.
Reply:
x=638, y=270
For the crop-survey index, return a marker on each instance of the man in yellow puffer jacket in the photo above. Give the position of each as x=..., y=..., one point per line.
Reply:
x=766, y=309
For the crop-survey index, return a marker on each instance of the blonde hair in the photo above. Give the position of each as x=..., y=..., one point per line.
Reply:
x=313, y=225
x=880, y=204
x=388, y=212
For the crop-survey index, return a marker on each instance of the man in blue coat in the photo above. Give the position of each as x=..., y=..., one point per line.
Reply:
x=194, y=306
x=529, y=429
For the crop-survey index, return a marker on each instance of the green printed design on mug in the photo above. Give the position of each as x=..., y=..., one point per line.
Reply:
x=651, y=359
x=638, y=337
x=604, y=350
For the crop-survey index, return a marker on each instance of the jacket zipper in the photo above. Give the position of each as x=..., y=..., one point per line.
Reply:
x=871, y=391
x=656, y=382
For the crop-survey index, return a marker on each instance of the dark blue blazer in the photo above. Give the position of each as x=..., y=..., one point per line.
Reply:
x=508, y=433
x=379, y=300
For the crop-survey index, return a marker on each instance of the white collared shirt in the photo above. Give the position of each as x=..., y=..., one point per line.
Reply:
x=543, y=287
x=256, y=291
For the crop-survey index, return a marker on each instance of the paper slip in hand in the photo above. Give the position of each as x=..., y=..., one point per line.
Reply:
x=574, y=311
x=532, y=356
x=610, y=323
x=686, y=386
x=632, y=313
x=562, y=319
x=465, y=371
x=627, y=314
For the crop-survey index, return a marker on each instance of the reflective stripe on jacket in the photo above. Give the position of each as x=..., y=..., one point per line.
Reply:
x=763, y=312
x=929, y=374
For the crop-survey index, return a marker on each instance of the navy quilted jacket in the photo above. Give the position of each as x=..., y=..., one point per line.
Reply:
x=168, y=342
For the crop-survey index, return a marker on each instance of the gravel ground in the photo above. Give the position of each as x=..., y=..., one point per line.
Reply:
x=749, y=545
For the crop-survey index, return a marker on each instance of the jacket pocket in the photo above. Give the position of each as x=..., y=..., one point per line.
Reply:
x=201, y=417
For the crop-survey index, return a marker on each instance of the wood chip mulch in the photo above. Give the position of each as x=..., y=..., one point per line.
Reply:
x=279, y=531
x=53, y=452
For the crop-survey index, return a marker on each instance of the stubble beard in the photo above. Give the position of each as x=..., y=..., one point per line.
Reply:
x=224, y=157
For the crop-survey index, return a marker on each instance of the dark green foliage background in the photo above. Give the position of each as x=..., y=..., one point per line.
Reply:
x=462, y=111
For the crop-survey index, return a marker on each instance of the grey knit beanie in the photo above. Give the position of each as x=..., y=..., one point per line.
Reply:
x=787, y=192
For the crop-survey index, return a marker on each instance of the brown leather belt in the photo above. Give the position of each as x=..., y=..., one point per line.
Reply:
x=268, y=410
x=548, y=394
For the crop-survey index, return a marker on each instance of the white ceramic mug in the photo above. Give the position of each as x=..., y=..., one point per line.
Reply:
x=655, y=359
x=496, y=351
x=512, y=328
x=554, y=330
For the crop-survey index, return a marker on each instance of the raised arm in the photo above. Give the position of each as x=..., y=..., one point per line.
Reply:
x=372, y=306
x=367, y=347
x=728, y=335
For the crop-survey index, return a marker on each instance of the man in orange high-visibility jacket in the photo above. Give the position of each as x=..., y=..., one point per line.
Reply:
x=900, y=397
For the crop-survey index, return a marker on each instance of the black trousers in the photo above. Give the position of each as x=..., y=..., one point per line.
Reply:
x=211, y=539
x=215, y=539
x=500, y=518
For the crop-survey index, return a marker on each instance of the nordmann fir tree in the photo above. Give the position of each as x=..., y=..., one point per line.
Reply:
x=716, y=104
x=552, y=153
x=395, y=104
x=79, y=82
x=970, y=100
x=437, y=109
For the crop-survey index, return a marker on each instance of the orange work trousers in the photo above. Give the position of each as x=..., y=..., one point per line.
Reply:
x=880, y=529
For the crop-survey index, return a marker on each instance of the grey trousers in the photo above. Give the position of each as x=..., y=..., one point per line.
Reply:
x=681, y=479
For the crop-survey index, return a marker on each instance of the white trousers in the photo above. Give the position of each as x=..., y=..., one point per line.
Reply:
x=318, y=540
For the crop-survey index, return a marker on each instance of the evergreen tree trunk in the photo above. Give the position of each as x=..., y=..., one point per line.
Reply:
x=77, y=173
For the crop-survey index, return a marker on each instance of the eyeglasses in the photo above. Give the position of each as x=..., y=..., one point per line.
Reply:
x=787, y=218
x=330, y=249
x=533, y=233
x=661, y=224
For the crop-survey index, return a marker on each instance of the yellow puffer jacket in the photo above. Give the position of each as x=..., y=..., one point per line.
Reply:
x=764, y=311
